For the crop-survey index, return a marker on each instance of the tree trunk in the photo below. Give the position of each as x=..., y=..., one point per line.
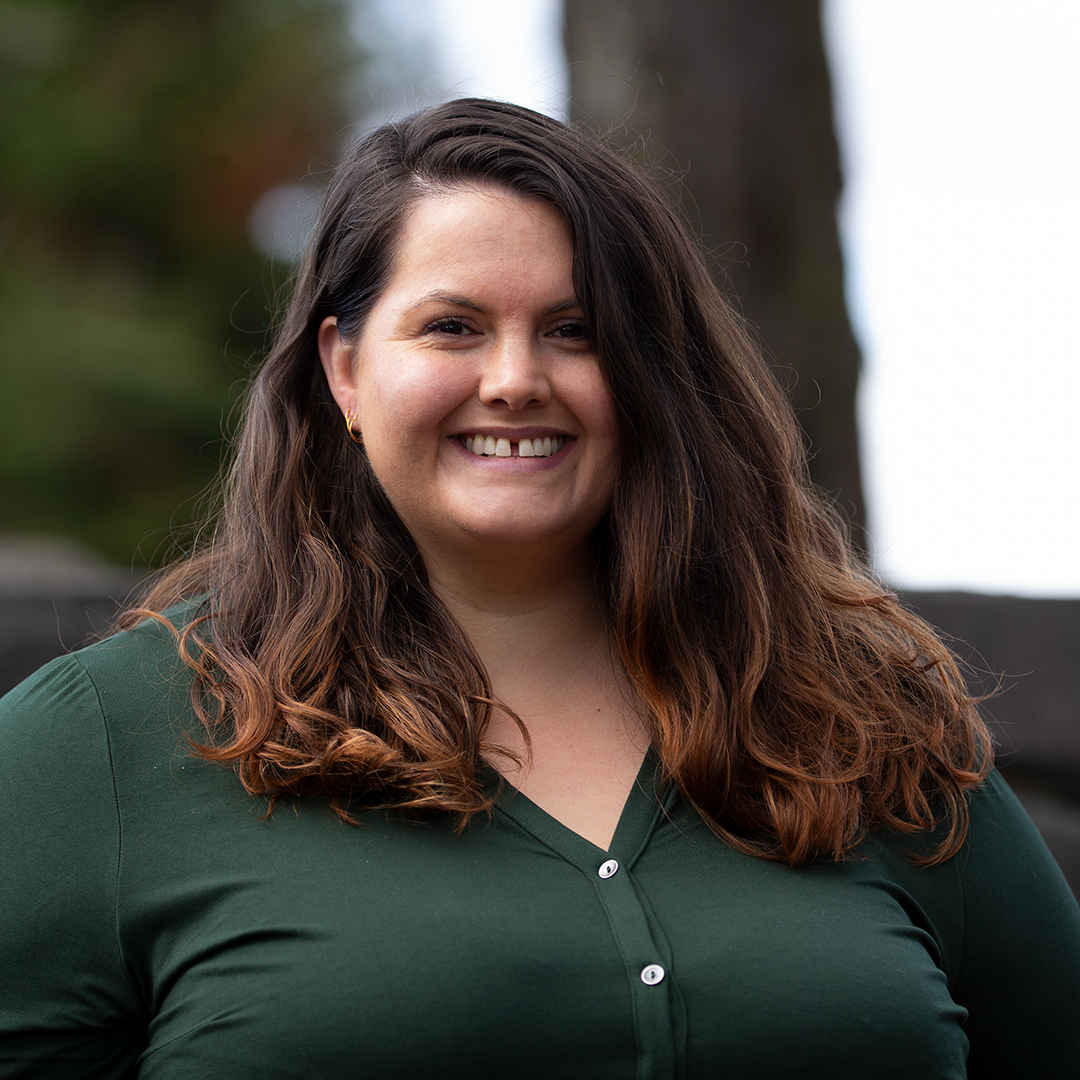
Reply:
x=734, y=98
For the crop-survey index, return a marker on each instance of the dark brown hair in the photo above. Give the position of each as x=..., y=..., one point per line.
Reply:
x=793, y=700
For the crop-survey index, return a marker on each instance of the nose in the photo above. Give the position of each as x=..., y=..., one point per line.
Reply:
x=514, y=377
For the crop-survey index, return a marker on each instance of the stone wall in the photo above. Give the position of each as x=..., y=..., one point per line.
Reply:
x=1026, y=653
x=54, y=597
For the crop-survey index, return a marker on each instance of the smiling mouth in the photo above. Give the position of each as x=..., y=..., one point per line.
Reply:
x=486, y=446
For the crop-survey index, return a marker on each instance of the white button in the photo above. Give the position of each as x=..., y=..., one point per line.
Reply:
x=652, y=974
x=608, y=869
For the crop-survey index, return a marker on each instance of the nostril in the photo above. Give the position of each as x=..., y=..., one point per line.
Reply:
x=514, y=380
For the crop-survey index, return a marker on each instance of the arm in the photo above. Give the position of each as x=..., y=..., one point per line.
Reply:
x=66, y=1006
x=1019, y=974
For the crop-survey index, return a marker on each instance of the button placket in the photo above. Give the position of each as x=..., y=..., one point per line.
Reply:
x=650, y=981
x=640, y=945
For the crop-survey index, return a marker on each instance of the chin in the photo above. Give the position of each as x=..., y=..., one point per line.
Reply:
x=523, y=533
x=526, y=532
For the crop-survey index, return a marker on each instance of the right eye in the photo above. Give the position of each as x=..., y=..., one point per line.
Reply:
x=448, y=325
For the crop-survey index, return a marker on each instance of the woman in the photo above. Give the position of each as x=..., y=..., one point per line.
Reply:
x=519, y=571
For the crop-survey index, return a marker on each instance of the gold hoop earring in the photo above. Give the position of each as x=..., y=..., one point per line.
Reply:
x=356, y=438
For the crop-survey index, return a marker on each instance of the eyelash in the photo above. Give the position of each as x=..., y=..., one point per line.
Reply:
x=454, y=326
x=446, y=325
x=582, y=330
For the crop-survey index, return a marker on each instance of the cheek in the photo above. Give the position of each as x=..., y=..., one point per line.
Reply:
x=409, y=397
x=596, y=410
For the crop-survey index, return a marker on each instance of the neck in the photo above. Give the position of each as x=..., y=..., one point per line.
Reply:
x=522, y=610
x=522, y=594
x=540, y=630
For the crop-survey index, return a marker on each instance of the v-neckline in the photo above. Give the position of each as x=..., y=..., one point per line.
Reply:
x=644, y=804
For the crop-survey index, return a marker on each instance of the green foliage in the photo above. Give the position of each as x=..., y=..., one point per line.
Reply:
x=135, y=136
x=112, y=403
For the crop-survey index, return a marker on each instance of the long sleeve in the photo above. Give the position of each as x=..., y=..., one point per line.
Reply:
x=66, y=1006
x=1019, y=973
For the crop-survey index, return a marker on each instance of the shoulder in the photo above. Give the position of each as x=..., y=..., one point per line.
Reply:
x=76, y=696
x=81, y=743
x=1020, y=971
x=1005, y=863
x=154, y=643
x=1014, y=894
x=1018, y=953
x=973, y=899
x=1004, y=928
x=1000, y=835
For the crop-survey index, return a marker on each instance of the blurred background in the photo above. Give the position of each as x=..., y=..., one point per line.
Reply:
x=888, y=188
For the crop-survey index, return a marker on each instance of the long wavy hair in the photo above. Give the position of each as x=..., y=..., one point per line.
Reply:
x=792, y=699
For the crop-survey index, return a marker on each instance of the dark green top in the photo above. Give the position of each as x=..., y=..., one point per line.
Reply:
x=154, y=924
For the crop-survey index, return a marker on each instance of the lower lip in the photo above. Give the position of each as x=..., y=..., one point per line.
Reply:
x=516, y=464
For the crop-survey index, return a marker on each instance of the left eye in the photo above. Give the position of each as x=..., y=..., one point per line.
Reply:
x=455, y=327
x=574, y=331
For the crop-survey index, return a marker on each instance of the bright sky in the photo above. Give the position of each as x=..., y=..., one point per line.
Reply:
x=961, y=223
x=960, y=122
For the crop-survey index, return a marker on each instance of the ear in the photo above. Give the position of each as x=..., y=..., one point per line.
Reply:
x=337, y=361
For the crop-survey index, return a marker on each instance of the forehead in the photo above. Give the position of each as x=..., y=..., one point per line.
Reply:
x=474, y=231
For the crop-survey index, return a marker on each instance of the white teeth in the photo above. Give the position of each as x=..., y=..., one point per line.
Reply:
x=489, y=446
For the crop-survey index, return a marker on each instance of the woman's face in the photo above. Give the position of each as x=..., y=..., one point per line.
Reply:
x=474, y=383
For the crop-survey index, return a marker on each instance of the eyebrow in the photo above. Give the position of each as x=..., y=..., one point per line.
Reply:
x=462, y=301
